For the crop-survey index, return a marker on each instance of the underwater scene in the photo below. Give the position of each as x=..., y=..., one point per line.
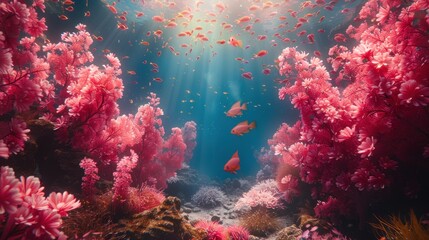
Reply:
x=214, y=119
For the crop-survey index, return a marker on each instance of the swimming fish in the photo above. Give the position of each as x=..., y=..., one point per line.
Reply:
x=233, y=164
x=234, y=42
x=243, y=127
x=236, y=109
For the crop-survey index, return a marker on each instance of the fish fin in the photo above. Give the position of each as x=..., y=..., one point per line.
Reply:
x=244, y=122
x=252, y=125
x=235, y=154
x=244, y=106
x=236, y=105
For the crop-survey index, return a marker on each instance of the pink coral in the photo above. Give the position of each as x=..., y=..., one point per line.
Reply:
x=26, y=213
x=356, y=136
x=10, y=196
x=62, y=202
x=122, y=177
x=90, y=176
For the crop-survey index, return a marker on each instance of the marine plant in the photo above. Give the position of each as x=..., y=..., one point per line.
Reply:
x=260, y=222
x=208, y=197
x=213, y=230
x=394, y=227
x=363, y=127
x=25, y=212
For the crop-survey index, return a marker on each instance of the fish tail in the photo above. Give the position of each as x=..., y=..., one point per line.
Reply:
x=244, y=106
x=252, y=125
x=240, y=43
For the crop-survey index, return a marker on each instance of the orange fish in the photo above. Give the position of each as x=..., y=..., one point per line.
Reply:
x=98, y=38
x=233, y=164
x=87, y=14
x=158, y=18
x=234, y=42
x=243, y=127
x=260, y=53
x=144, y=43
x=68, y=2
x=112, y=8
x=221, y=42
x=63, y=17
x=236, y=109
x=243, y=19
x=139, y=14
x=122, y=26
x=131, y=72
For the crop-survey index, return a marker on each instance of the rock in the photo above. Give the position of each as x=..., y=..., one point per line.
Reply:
x=160, y=223
x=215, y=219
x=289, y=233
x=187, y=210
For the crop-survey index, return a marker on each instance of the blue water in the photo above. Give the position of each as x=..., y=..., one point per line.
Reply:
x=202, y=85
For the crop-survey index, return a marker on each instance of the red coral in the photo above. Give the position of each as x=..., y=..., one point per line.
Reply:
x=354, y=136
x=122, y=177
x=90, y=177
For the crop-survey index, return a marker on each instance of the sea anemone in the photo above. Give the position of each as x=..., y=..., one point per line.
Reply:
x=260, y=222
x=208, y=197
x=236, y=232
x=214, y=230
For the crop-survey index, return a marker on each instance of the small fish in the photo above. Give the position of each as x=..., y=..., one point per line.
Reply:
x=87, y=14
x=69, y=8
x=139, y=14
x=144, y=43
x=63, y=17
x=243, y=19
x=158, y=18
x=158, y=33
x=310, y=38
x=68, y=2
x=157, y=79
x=98, y=38
x=243, y=127
x=122, y=26
x=247, y=75
x=266, y=71
x=221, y=42
x=233, y=164
x=112, y=8
x=236, y=109
x=260, y=53
x=131, y=72
x=234, y=42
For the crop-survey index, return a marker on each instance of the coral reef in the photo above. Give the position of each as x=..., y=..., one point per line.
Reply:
x=208, y=197
x=161, y=223
x=362, y=137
